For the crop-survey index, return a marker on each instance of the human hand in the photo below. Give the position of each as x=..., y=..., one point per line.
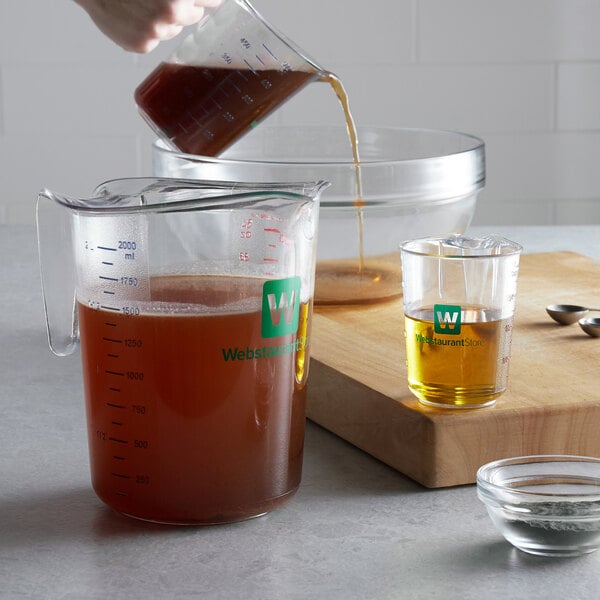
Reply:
x=140, y=25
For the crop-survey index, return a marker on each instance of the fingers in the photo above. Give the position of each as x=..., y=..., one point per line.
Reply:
x=188, y=14
x=207, y=3
x=140, y=25
x=181, y=14
x=166, y=31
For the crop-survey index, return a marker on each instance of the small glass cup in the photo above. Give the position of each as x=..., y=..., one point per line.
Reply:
x=547, y=505
x=459, y=302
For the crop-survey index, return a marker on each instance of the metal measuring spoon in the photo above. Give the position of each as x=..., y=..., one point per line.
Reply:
x=591, y=326
x=565, y=314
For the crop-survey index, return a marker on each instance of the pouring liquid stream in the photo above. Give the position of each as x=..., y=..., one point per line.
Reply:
x=340, y=92
x=350, y=280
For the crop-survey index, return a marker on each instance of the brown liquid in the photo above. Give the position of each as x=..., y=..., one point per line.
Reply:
x=189, y=421
x=202, y=110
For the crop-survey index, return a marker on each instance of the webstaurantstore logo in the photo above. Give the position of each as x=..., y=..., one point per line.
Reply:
x=280, y=307
x=446, y=319
x=280, y=315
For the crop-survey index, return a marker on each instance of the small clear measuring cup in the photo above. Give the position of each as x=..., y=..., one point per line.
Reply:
x=226, y=76
x=459, y=301
x=192, y=301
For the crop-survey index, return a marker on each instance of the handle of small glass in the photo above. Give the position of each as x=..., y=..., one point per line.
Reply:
x=57, y=269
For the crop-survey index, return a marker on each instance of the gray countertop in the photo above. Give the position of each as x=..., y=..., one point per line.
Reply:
x=356, y=529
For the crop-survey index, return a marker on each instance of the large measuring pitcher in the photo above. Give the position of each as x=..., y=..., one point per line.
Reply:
x=192, y=302
x=227, y=75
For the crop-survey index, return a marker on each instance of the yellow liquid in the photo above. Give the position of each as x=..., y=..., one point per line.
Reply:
x=466, y=370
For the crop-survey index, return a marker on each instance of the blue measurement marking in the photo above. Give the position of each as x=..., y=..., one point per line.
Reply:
x=114, y=439
x=119, y=374
x=104, y=262
x=106, y=248
x=108, y=278
x=267, y=49
x=107, y=292
x=110, y=308
x=241, y=74
x=259, y=59
x=251, y=67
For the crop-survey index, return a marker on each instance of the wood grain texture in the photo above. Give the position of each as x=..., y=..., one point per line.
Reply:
x=358, y=389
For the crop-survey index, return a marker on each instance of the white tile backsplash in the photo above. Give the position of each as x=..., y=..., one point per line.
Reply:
x=53, y=32
x=575, y=212
x=347, y=33
x=502, y=211
x=578, y=96
x=80, y=100
x=486, y=31
x=496, y=98
x=69, y=164
x=523, y=75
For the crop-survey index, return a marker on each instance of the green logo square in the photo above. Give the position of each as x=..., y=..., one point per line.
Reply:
x=280, y=307
x=446, y=319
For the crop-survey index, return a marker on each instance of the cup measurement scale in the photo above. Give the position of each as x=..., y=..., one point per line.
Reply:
x=116, y=290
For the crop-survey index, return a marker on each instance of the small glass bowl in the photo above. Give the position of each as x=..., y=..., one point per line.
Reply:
x=547, y=505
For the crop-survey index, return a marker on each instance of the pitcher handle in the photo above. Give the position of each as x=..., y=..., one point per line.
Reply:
x=58, y=272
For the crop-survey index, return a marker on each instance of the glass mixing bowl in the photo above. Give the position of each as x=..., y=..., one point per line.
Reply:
x=410, y=183
x=547, y=505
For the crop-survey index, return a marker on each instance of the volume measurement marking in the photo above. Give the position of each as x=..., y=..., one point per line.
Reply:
x=117, y=440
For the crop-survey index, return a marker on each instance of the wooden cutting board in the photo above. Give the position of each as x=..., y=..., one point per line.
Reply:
x=358, y=389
